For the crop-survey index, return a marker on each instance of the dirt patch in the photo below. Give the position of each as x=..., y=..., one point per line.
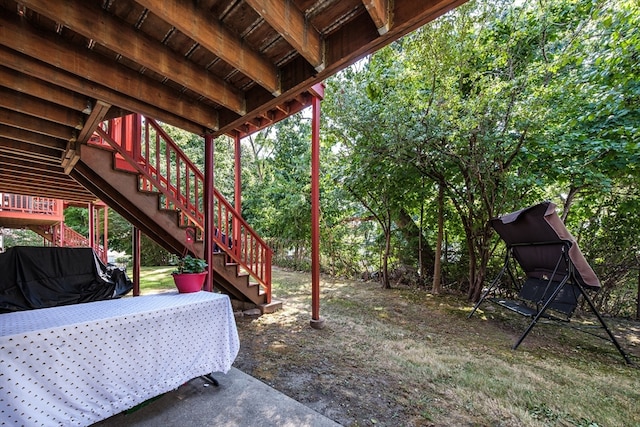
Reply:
x=404, y=357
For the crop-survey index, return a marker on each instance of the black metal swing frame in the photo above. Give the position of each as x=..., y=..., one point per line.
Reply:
x=552, y=288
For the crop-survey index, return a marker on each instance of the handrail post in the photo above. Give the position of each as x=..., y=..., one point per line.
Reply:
x=267, y=274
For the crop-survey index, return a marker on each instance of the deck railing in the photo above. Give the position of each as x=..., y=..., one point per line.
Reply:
x=144, y=147
x=30, y=205
x=39, y=208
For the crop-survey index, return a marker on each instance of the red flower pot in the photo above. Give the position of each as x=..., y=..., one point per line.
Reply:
x=189, y=282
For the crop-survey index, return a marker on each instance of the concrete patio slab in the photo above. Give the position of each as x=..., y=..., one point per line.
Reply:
x=238, y=401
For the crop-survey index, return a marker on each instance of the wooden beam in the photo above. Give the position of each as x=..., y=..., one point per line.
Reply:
x=75, y=194
x=380, y=14
x=99, y=111
x=43, y=90
x=31, y=137
x=43, y=191
x=40, y=70
x=83, y=63
x=15, y=170
x=71, y=155
x=31, y=106
x=33, y=189
x=94, y=23
x=16, y=179
x=8, y=161
x=342, y=48
x=44, y=127
x=72, y=152
x=61, y=181
x=29, y=150
x=209, y=32
x=285, y=17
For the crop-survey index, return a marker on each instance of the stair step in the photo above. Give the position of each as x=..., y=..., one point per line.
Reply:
x=169, y=210
x=256, y=286
x=272, y=307
x=244, y=306
x=121, y=165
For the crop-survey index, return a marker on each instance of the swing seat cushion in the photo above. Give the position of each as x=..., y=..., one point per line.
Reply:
x=538, y=291
x=535, y=292
x=516, y=306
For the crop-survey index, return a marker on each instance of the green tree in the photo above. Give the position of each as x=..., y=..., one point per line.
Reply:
x=589, y=153
x=450, y=103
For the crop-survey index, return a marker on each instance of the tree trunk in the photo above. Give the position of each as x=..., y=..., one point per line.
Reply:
x=481, y=255
x=420, y=256
x=437, y=264
x=568, y=202
x=413, y=234
x=472, y=272
x=386, y=284
x=638, y=300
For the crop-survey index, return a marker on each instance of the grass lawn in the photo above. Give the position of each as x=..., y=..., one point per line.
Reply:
x=405, y=357
x=154, y=279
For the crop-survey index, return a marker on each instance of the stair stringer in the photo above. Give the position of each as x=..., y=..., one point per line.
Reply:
x=119, y=189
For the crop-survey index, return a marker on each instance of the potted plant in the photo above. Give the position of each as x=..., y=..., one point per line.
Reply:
x=190, y=274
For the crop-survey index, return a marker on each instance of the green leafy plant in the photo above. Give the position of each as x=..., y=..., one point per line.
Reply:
x=189, y=264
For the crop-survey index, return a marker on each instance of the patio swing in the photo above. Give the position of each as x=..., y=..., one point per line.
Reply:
x=556, y=272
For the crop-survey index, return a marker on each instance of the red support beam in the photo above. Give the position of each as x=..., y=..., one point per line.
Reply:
x=316, y=321
x=209, y=225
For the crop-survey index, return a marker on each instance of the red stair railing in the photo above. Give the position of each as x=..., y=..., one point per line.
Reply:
x=64, y=236
x=142, y=146
x=72, y=238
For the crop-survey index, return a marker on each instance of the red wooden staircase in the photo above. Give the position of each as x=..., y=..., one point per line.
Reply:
x=135, y=167
x=45, y=217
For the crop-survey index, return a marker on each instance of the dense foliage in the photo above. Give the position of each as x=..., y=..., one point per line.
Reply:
x=495, y=106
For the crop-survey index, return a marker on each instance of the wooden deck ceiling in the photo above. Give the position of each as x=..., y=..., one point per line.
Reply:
x=217, y=66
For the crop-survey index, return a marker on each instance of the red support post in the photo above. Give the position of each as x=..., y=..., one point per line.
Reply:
x=209, y=224
x=105, y=234
x=136, y=261
x=316, y=321
x=92, y=226
x=237, y=194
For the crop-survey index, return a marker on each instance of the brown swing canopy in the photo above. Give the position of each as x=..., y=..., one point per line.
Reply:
x=535, y=234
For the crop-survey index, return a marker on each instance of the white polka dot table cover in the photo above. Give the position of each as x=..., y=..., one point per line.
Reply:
x=76, y=365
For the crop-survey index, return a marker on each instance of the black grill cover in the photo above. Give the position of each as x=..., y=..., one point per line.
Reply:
x=40, y=277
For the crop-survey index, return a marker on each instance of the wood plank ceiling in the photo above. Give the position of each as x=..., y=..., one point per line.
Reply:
x=217, y=66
